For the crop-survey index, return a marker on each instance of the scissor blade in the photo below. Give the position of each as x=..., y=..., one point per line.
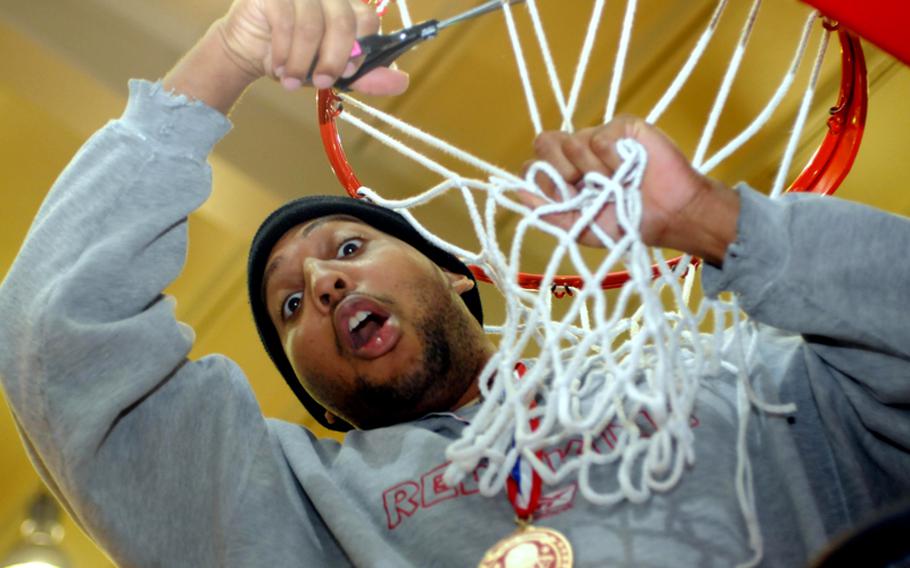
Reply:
x=476, y=11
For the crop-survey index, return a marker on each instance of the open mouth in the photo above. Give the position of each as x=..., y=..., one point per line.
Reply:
x=366, y=327
x=363, y=327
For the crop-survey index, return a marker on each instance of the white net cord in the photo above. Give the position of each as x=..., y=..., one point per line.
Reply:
x=629, y=364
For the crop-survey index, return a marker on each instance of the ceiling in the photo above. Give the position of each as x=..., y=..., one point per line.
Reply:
x=67, y=62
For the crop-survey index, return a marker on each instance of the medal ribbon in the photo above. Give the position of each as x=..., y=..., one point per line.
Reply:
x=548, y=547
x=524, y=483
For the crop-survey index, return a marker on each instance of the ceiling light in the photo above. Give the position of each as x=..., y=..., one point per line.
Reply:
x=41, y=537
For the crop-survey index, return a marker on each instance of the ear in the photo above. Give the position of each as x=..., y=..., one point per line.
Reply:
x=459, y=282
x=329, y=417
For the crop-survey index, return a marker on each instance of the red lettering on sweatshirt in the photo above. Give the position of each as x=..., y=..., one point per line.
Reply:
x=429, y=489
x=400, y=502
x=433, y=487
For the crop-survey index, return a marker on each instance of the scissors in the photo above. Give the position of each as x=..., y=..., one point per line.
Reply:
x=380, y=50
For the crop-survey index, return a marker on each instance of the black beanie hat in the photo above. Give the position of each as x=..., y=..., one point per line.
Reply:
x=312, y=207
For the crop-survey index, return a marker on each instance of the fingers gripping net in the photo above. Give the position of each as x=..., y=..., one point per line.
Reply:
x=596, y=367
x=619, y=373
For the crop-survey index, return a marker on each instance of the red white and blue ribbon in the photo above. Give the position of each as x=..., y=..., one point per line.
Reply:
x=524, y=483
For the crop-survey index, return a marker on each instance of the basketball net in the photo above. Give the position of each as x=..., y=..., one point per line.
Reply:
x=597, y=367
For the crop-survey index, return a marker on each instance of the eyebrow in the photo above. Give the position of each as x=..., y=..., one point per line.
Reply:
x=278, y=260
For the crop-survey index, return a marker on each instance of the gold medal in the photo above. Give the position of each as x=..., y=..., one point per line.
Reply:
x=530, y=547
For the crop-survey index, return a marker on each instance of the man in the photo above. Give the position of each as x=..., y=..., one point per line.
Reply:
x=168, y=462
x=362, y=314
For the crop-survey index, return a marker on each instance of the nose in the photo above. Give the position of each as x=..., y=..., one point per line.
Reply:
x=327, y=284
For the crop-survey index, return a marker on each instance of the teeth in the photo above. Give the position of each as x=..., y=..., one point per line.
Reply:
x=357, y=319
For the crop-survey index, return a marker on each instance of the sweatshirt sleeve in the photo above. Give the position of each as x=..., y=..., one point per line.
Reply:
x=145, y=448
x=836, y=273
x=821, y=266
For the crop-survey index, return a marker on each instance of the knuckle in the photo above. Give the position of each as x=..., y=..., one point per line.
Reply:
x=363, y=12
x=360, y=7
x=370, y=20
x=573, y=147
x=602, y=143
x=586, y=132
x=545, y=141
x=343, y=22
x=311, y=30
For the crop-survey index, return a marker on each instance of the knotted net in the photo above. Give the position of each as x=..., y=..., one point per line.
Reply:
x=599, y=360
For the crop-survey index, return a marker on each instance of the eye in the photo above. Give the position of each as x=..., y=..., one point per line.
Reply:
x=291, y=305
x=349, y=247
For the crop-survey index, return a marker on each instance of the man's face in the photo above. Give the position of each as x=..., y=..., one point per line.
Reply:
x=374, y=329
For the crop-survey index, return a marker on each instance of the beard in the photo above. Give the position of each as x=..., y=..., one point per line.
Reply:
x=435, y=384
x=453, y=352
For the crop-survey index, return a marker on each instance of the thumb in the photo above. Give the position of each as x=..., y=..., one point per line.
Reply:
x=382, y=81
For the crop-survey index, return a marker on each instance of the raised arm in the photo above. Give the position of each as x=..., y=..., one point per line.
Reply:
x=816, y=266
x=149, y=451
x=296, y=42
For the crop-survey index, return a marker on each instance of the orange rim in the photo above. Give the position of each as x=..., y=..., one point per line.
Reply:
x=823, y=174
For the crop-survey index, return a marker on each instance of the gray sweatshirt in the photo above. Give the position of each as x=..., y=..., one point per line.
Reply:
x=167, y=461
